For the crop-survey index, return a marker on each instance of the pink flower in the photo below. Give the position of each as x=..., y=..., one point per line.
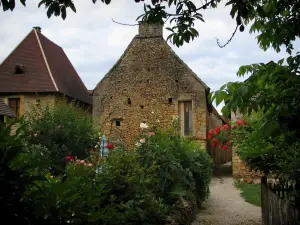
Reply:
x=82, y=162
x=151, y=134
x=89, y=164
x=143, y=140
x=35, y=135
x=78, y=161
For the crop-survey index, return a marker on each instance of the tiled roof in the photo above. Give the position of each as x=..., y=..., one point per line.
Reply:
x=215, y=112
x=5, y=110
x=46, y=68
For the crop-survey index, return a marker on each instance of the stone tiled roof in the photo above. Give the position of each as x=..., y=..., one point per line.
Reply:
x=5, y=110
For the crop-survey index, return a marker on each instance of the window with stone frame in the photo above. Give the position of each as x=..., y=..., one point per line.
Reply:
x=14, y=104
x=185, y=118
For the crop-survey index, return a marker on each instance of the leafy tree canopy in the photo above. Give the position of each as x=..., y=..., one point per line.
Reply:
x=277, y=20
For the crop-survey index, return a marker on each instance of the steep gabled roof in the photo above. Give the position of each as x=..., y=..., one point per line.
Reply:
x=5, y=110
x=215, y=112
x=39, y=65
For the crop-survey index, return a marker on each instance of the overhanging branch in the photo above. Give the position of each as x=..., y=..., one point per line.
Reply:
x=222, y=46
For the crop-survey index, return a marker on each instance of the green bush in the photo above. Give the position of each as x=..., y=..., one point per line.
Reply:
x=63, y=129
x=181, y=167
x=15, y=182
x=116, y=195
x=144, y=186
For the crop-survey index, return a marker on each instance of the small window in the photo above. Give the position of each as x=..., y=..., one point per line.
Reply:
x=185, y=118
x=129, y=101
x=141, y=106
x=118, y=123
x=19, y=69
x=170, y=100
x=14, y=104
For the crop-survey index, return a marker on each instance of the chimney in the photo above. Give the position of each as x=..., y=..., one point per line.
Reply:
x=150, y=30
x=38, y=29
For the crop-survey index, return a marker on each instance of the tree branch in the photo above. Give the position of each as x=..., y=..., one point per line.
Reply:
x=222, y=46
x=125, y=24
x=201, y=7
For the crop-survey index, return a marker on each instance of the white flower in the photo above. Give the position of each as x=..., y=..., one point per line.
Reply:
x=143, y=140
x=96, y=146
x=143, y=125
x=138, y=144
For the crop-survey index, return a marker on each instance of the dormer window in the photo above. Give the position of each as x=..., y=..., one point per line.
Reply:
x=19, y=70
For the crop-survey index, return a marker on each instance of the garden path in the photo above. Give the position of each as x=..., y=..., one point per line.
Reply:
x=225, y=206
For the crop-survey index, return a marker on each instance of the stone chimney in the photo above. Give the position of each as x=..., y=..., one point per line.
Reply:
x=150, y=30
x=38, y=29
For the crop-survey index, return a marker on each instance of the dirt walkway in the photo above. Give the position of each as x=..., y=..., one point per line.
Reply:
x=225, y=206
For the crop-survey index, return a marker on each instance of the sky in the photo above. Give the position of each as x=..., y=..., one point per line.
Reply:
x=93, y=42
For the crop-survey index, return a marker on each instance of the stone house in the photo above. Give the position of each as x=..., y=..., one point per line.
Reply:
x=39, y=70
x=151, y=83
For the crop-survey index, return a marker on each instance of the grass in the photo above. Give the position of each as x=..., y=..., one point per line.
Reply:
x=250, y=192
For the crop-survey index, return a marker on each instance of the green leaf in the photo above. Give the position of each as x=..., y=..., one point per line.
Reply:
x=170, y=2
x=42, y=2
x=72, y=6
x=23, y=2
x=179, y=8
x=63, y=12
x=220, y=96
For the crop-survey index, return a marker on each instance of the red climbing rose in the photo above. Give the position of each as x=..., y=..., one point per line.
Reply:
x=209, y=137
x=110, y=146
x=226, y=127
x=225, y=147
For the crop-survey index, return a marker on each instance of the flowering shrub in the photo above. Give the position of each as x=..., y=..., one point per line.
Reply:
x=64, y=129
x=221, y=136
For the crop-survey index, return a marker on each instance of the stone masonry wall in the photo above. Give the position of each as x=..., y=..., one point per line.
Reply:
x=146, y=84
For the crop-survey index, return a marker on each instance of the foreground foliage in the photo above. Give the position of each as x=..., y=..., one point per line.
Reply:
x=144, y=186
x=55, y=132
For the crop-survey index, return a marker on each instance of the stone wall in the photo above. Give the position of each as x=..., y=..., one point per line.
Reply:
x=147, y=84
x=26, y=99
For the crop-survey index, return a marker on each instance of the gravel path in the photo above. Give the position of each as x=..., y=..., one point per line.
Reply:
x=226, y=207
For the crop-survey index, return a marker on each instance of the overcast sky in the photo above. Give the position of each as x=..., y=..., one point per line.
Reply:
x=94, y=43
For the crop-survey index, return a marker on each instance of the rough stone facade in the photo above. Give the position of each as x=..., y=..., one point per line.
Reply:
x=149, y=83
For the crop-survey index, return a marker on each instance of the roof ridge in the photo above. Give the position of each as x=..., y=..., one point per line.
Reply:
x=186, y=65
x=117, y=63
x=45, y=59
